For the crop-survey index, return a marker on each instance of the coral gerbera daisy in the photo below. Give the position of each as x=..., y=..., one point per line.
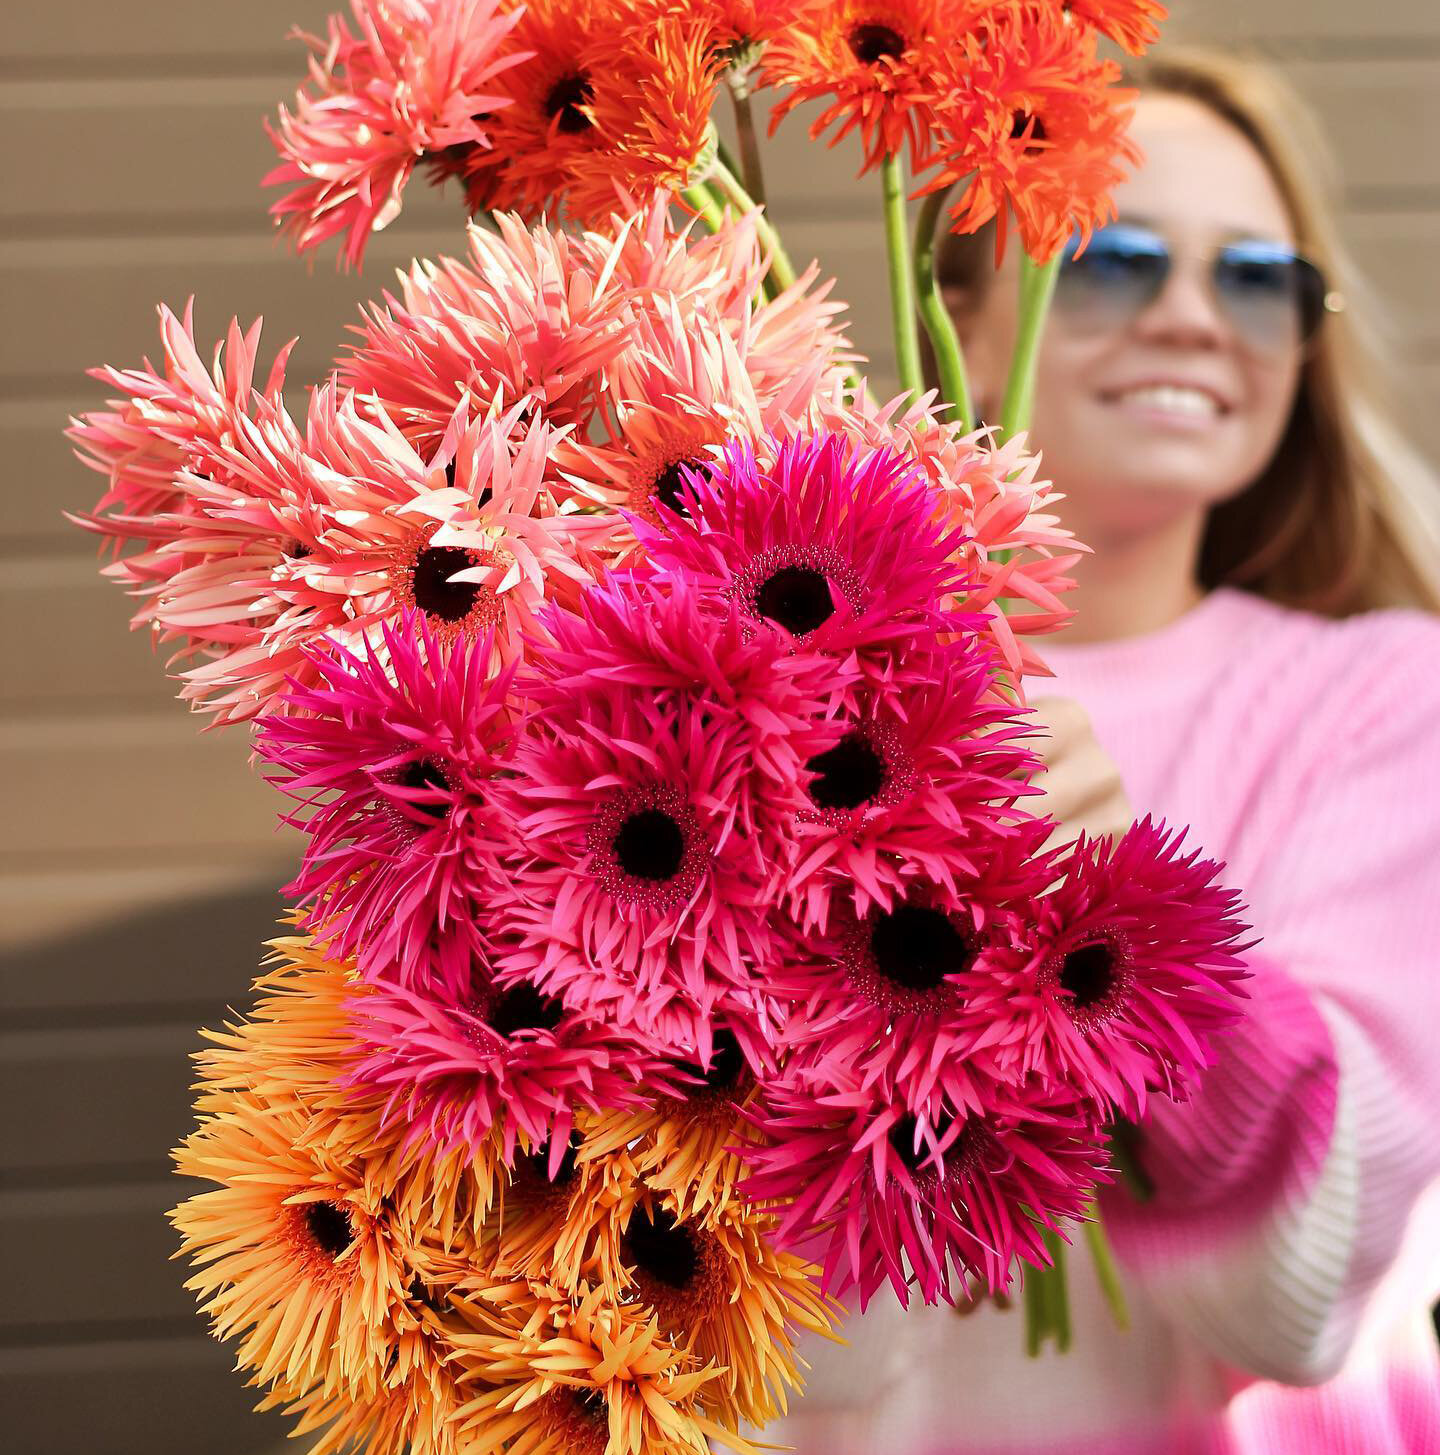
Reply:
x=881, y=1190
x=1131, y=24
x=806, y=544
x=163, y=423
x=529, y=317
x=393, y=752
x=1032, y=126
x=1127, y=970
x=420, y=81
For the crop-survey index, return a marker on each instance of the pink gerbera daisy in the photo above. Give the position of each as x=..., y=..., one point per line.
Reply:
x=1014, y=549
x=163, y=421
x=807, y=545
x=392, y=750
x=916, y=1195
x=653, y=788
x=455, y=1066
x=917, y=782
x=531, y=316
x=417, y=83
x=1126, y=972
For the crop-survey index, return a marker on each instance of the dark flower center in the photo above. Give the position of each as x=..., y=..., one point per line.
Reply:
x=1088, y=973
x=851, y=773
x=329, y=1225
x=872, y=42
x=917, y=947
x=523, y=1008
x=1019, y=121
x=435, y=593
x=660, y=1249
x=727, y=1064
x=296, y=550
x=671, y=481
x=538, y=1163
x=650, y=845
x=426, y=774
x=798, y=597
x=567, y=96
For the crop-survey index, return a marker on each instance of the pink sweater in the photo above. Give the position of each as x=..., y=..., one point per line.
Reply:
x=1280, y=1282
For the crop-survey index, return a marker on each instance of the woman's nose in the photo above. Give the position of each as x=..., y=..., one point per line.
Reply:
x=1185, y=310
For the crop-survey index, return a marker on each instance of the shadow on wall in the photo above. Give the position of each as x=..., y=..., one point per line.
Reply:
x=101, y=1348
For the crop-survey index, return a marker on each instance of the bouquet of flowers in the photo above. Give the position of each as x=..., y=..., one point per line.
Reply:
x=674, y=960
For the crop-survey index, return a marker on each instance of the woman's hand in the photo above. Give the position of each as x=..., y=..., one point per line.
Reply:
x=1082, y=785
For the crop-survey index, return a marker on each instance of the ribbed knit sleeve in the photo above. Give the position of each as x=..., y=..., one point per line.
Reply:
x=1284, y=1186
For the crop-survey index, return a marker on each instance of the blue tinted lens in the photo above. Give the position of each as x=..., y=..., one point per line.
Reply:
x=1121, y=270
x=1271, y=296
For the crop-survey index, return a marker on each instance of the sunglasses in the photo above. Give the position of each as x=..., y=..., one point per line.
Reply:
x=1274, y=299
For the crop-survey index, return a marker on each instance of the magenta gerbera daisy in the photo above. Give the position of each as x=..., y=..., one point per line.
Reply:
x=416, y=84
x=807, y=544
x=455, y=1066
x=918, y=780
x=881, y=1191
x=652, y=791
x=392, y=752
x=1124, y=975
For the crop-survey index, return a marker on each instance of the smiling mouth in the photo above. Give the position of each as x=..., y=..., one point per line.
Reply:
x=1177, y=399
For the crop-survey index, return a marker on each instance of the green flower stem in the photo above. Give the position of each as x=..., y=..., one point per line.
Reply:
x=1105, y=1270
x=949, y=360
x=782, y=271
x=745, y=134
x=1047, y=1300
x=1037, y=284
x=902, y=281
x=702, y=200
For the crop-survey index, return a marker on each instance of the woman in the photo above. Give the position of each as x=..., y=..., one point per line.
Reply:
x=1220, y=450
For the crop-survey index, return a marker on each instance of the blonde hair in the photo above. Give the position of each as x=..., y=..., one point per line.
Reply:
x=1342, y=519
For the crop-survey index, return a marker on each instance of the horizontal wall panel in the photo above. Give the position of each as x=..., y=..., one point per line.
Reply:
x=74, y=30
x=125, y=1396
x=78, y=948
x=125, y=786
x=114, y=1244
x=1302, y=22
x=114, y=1097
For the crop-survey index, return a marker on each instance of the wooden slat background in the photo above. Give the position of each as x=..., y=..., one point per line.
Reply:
x=141, y=869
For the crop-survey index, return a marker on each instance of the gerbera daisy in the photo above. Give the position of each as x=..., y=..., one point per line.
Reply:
x=162, y=422
x=652, y=792
x=582, y=1375
x=1129, y=968
x=879, y=1190
x=1032, y=126
x=530, y=317
x=721, y=1290
x=393, y=753
x=296, y=1256
x=684, y=1142
x=1132, y=24
x=418, y=82
x=917, y=780
x=511, y=1059
x=868, y=60
x=805, y=547
x=1013, y=549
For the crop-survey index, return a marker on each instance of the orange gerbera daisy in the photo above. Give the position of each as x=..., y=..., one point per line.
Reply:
x=1032, y=125
x=724, y=1294
x=556, y=1374
x=871, y=59
x=1131, y=24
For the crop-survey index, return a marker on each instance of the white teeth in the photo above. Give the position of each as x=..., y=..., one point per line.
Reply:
x=1175, y=399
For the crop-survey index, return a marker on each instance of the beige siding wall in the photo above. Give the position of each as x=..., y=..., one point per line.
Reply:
x=139, y=869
